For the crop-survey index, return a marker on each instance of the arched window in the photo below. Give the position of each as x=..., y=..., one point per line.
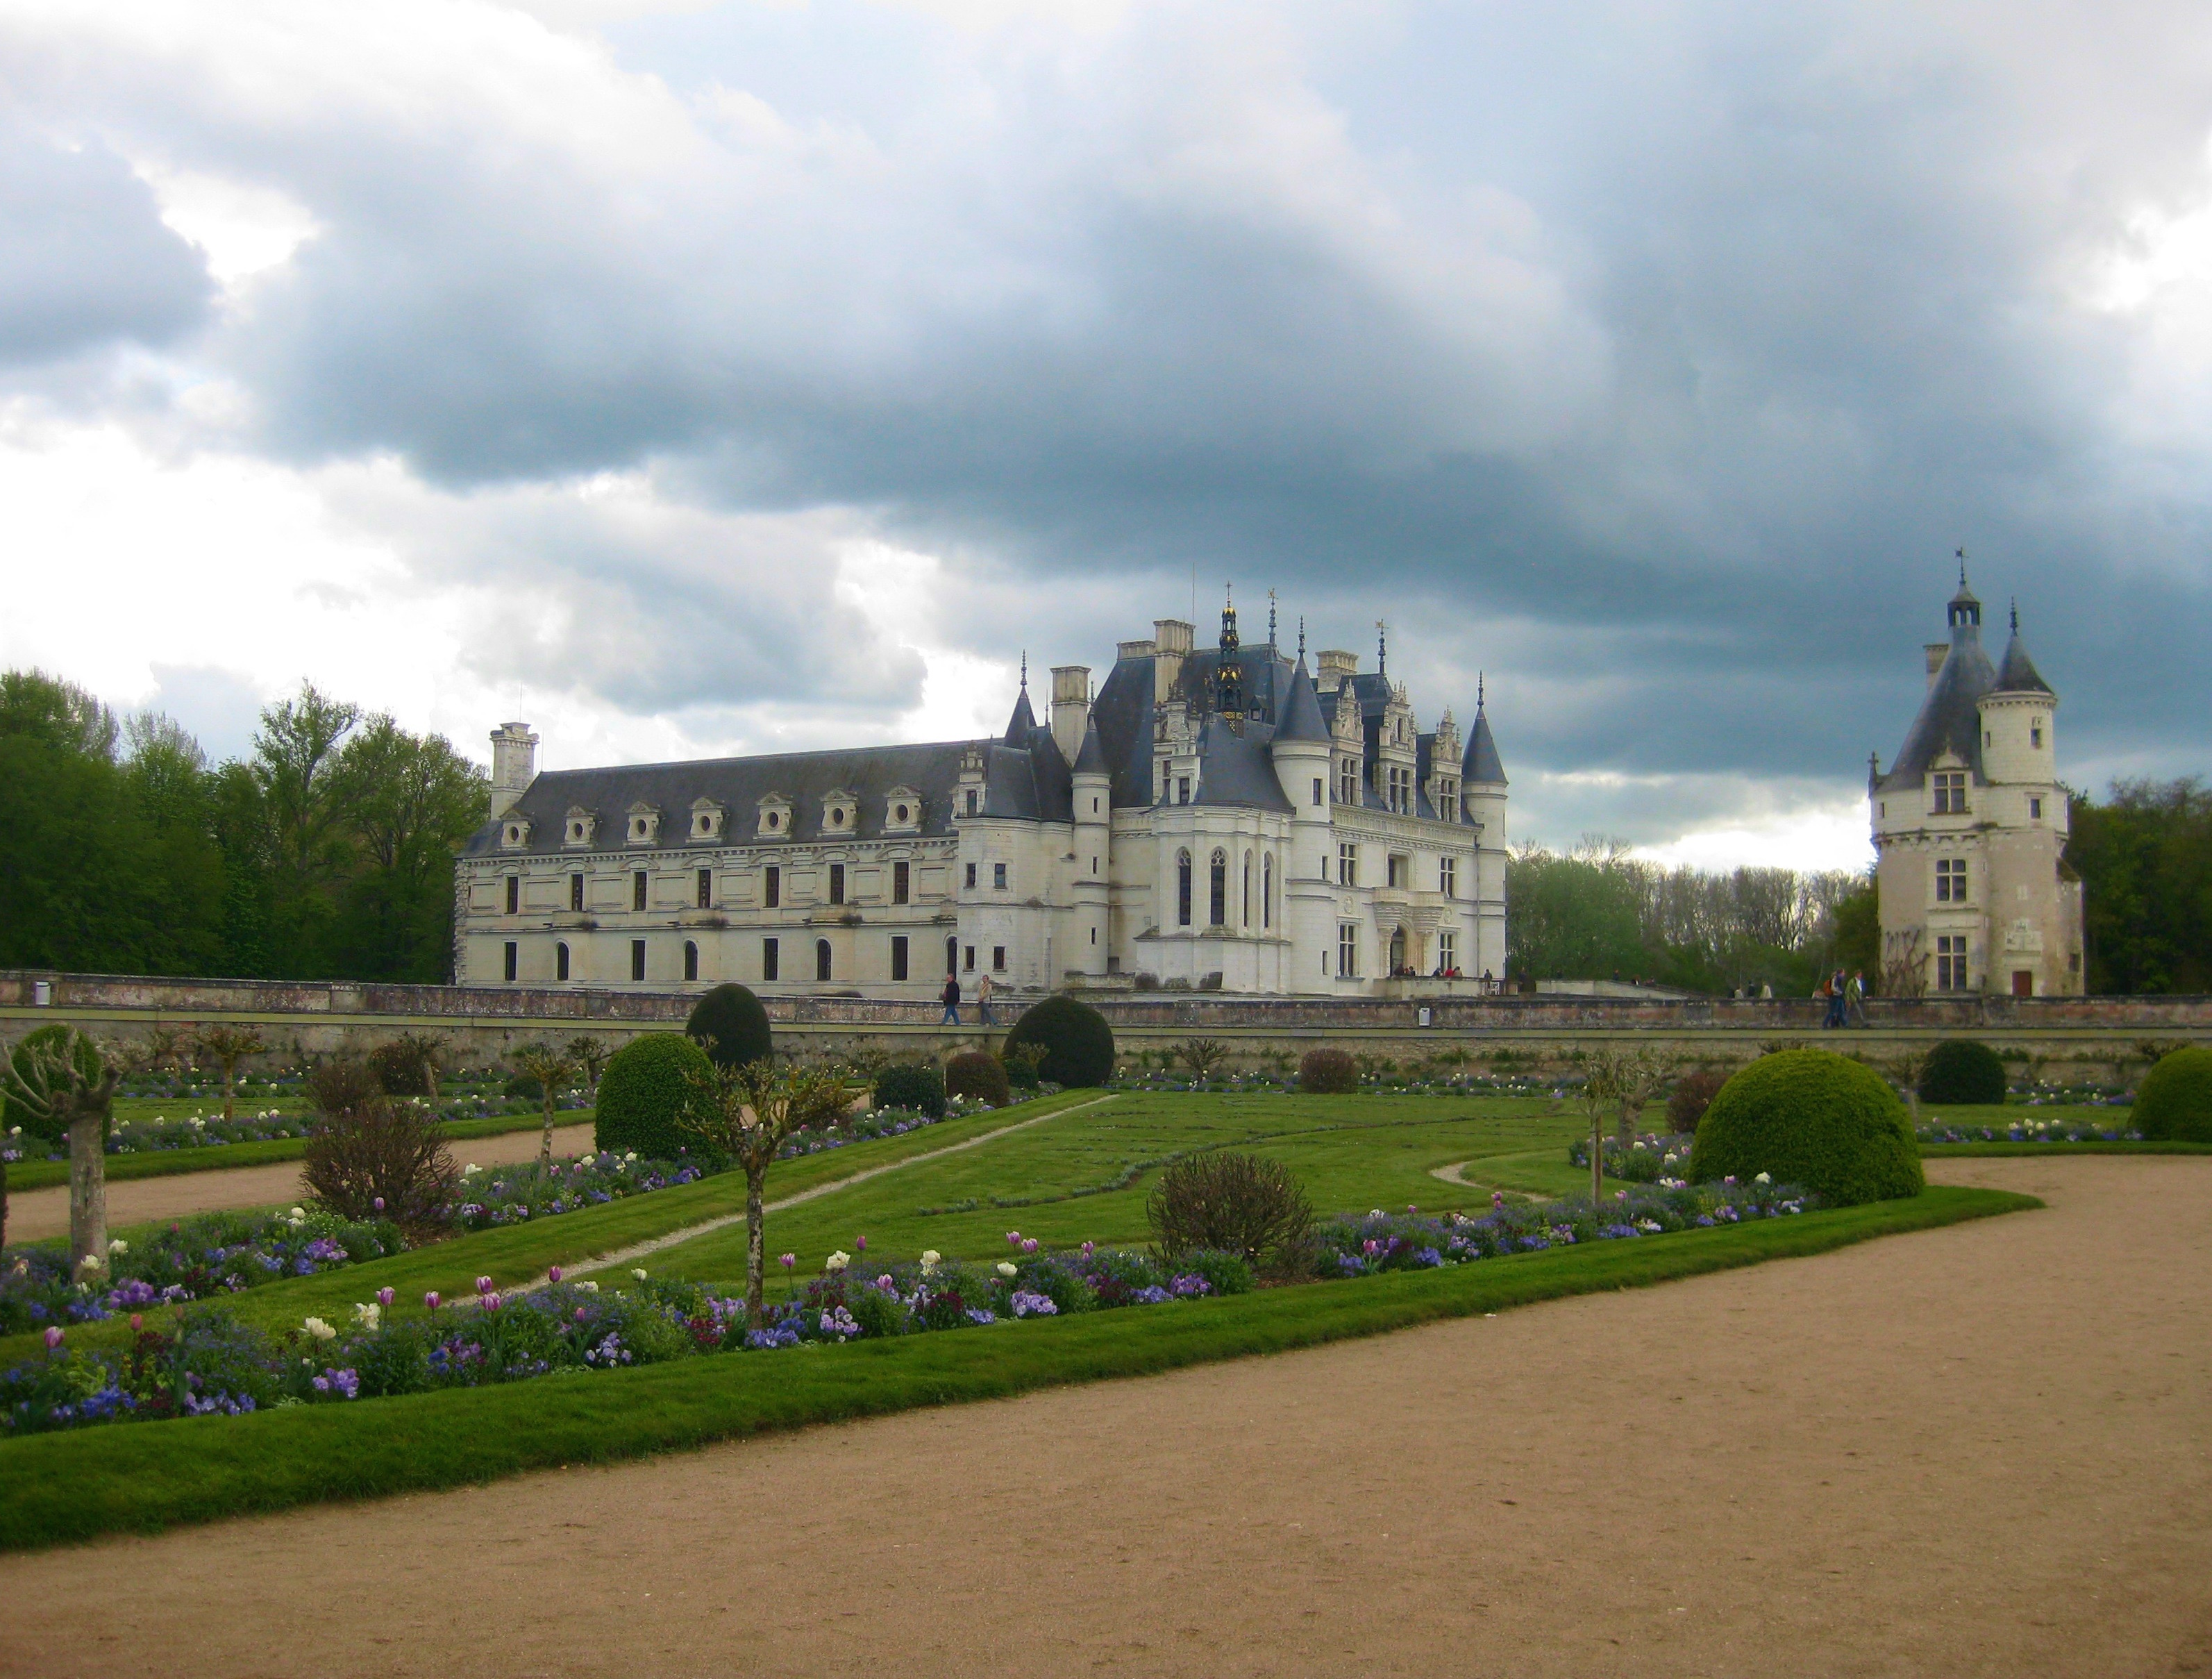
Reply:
x=1182, y=889
x=690, y=960
x=1267, y=892
x=953, y=954
x=820, y=959
x=560, y=961
x=1216, y=898
x=1245, y=918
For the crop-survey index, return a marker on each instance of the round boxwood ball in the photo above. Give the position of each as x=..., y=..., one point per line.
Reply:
x=2174, y=1102
x=648, y=1084
x=731, y=1023
x=1078, y=1043
x=915, y=1085
x=1962, y=1073
x=980, y=1076
x=1812, y=1117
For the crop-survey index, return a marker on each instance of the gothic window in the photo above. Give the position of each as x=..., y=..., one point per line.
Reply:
x=1182, y=889
x=1267, y=892
x=690, y=960
x=820, y=959
x=1950, y=880
x=769, y=955
x=1217, y=898
x=1950, y=792
x=1951, y=962
x=560, y=961
x=1244, y=917
x=951, y=953
x=514, y=893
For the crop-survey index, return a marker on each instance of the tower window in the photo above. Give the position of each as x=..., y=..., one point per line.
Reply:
x=576, y=892
x=772, y=887
x=1182, y=889
x=1267, y=892
x=998, y=877
x=1317, y=789
x=821, y=959
x=1950, y=880
x=1950, y=793
x=706, y=888
x=1347, y=864
x=514, y=893
x=560, y=961
x=510, y=958
x=1347, y=950
x=637, y=890
x=970, y=877
x=836, y=883
x=1951, y=962
x=638, y=958
x=690, y=960
x=901, y=882
x=2035, y=734
x=1448, y=876
x=1217, y=898
x=898, y=956
x=769, y=957
x=2035, y=810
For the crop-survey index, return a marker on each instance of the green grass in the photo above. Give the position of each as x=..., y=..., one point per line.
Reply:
x=55, y=1488
x=1937, y=1151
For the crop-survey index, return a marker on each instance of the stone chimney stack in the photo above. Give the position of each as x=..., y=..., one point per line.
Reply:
x=1335, y=665
x=1071, y=708
x=1171, y=641
x=513, y=765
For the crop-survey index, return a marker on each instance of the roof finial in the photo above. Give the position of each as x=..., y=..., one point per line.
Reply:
x=1271, y=620
x=1026, y=670
x=1962, y=568
x=1478, y=693
x=1301, y=638
x=2015, y=614
x=1381, y=647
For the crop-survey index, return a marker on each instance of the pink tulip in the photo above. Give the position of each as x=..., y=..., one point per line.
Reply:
x=788, y=1260
x=137, y=1323
x=553, y=1274
x=579, y=1314
x=53, y=1339
x=1028, y=1245
x=483, y=1285
x=384, y=1297
x=431, y=1299
x=860, y=1244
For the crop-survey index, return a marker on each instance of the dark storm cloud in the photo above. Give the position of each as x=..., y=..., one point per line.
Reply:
x=1652, y=358
x=85, y=259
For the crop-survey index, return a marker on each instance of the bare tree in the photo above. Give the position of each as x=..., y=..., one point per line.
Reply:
x=1202, y=1056
x=226, y=1046
x=1905, y=1069
x=552, y=1069
x=69, y=1081
x=590, y=1054
x=1618, y=1082
x=1904, y=964
x=745, y=1112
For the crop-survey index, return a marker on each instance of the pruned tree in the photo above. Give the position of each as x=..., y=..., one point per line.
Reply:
x=745, y=1111
x=1904, y=964
x=373, y=1155
x=590, y=1054
x=552, y=1069
x=1202, y=1056
x=63, y=1078
x=226, y=1046
x=408, y=1065
x=1903, y=1070
x=1617, y=1083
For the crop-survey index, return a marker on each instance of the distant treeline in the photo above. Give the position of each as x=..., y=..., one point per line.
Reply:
x=327, y=853
x=2145, y=860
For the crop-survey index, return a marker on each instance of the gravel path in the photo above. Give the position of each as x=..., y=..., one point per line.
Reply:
x=1979, y=1451
x=37, y=1213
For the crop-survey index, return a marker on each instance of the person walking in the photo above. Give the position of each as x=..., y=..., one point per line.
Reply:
x=983, y=1000
x=1837, y=1003
x=951, y=1000
x=1858, y=996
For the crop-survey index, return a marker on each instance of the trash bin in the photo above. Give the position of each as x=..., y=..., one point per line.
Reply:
x=42, y=994
x=1425, y=1017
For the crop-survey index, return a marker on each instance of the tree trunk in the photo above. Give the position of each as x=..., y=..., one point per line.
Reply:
x=87, y=1197
x=1628, y=1115
x=1597, y=1160
x=3, y=1203
x=229, y=1086
x=545, y=1145
x=756, y=1244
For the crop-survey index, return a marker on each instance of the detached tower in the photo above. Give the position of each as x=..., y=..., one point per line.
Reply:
x=1969, y=828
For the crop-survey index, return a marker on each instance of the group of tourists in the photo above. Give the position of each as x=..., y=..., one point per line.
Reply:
x=951, y=997
x=1846, y=1000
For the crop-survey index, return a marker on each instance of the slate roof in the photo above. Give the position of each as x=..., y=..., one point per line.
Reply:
x=1236, y=768
x=1480, y=761
x=1090, y=757
x=2017, y=675
x=1950, y=716
x=1030, y=781
x=1301, y=714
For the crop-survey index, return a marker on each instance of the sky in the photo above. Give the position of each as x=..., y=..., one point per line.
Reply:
x=691, y=378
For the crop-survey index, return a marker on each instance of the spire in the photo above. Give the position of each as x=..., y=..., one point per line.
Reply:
x=1478, y=693
x=1271, y=620
x=2016, y=674
x=1382, y=648
x=1301, y=638
x=1480, y=766
x=1301, y=718
x=1090, y=760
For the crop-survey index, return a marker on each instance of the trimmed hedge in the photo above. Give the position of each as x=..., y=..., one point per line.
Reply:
x=1961, y=1072
x=1328, y=1072
x=646, y=1085
x=916, y=1085
x=732, y=1026
x=979, y=1075
x=1813, y=1117
x=1078, y=1043
x=2174, y=1102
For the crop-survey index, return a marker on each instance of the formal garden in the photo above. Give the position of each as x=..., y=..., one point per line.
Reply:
x=756, y=1244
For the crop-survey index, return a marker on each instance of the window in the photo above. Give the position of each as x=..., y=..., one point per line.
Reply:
x=1347, y=864
x=998, y=877
x=836, y=883
x=1182, y=789
x=971, y=801
x=951, y=953
x=2035, y=733
x=968, y=958
x=772, y=887
x=1093, y=935
x=1448, y=801
x=510, y=960
x=1316, y=796
x=1950, y=880
x=1448, y=876
x=2035, y=810
x=898, y=956
x=1347, y=950
x=821, y=959
x=1267, y=892
x=1447, y=952
x=706, y=889
x=901, y=881
x=690, y=960
x=1401, y=788
x=560, y=961
x=1182, y=889
x=1347, y=781
x=1950, y=793
x=1393, y=870
x=1217, y=891
x=998, y=958
x=769, y=958
x=638, y=958
x=1094, y=866
x=576, y=893
x=971, y=877
x=1094, y=805
x=514, y=893
x=1950, y=962
x=637, y=890
x=1244, y=898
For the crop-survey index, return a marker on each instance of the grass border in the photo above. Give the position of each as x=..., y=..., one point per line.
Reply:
x=65, y=1488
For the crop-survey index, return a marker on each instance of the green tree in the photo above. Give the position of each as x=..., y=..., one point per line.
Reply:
x=409, y=801
x=305, y=804
x=2144, y=858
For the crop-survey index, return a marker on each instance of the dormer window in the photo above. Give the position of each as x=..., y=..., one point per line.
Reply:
x=840, y=812
x=1950, y=788
x=578, y=827
x=644, y=825
x=775, y=821
x=514, y=833
x=902, y=811
x=706, y=819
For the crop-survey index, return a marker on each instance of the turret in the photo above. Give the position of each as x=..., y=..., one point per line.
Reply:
x=2019, y=745
x=513, y=765
x=1482, y=776
x=1093, y=780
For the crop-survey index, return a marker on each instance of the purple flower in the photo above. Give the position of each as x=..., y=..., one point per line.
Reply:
x=553, y=1274
x=860, y=1244
x=53, y=1339
x=379, y=1203
x=483, y=1285
x=384, y=1297
x=431, y=1299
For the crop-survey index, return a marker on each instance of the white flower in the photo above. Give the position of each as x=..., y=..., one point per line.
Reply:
x=589, y=1287
x=628, y=1157
x=368, y=1316
x=837, y=1262
x=1762, y=1179
x=320, y=1330
x=1006, y=1267
x=119, y=1245
x=1377, y=1212
x=639, y=1273
x=929, y=1258
x=298, y=1212
x=471, y=1170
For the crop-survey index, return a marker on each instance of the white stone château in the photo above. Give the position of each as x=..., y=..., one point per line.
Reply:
x=1969, y=827
x=1213, y=819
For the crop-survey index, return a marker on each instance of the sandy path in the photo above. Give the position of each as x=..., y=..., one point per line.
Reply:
x=1976, y=1450
x=38, y=1214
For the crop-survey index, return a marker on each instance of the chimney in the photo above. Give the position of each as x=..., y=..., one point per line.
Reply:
x=1071, y=708
x=1335, y=665
x=1937, y=652
x=1172, y=639
x=513, y=765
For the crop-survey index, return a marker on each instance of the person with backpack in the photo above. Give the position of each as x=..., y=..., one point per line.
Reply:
x=951, y=1000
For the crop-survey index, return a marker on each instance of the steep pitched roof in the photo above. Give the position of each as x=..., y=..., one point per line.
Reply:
x=1301, y=719
x=1480, y=761
x=1029, y=781
x=1022, y=722
x=1236, y=768
x=1950, y=719
x=2017, y=675
x=1090, y=757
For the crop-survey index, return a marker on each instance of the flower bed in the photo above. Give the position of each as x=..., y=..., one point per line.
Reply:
x=513, y=1194
x=2026, y=1131
x=1651, y=1158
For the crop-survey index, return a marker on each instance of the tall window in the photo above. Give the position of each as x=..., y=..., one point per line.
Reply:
x=1448, y=876
x=1182, y=889
x=1217, y=895
x=769, y=958
x=836, y=883
x=576, y=893
x=952, y=953
x=971, y=801
x=898, y=954
x=1950, y=962
x=998, y=877
x=772, y=887
x=1182, y=789
x=1267, y=892
x=706, y=889
x=638, y=958
x=560, y=961
x=1347, y=950
x=511, y=957
x=1316, y=790
x=900, y=881
x=998, y=958
x=2035, y=810
x=970, y=877
x=1950, y=880
x=1950, y=792
x=1393, y=870
x=1448, y=801
x=690, y=960
x=1244, y=913
x=514, y=893
x=1447, y=952
x=1347, y=863
x=968, y=959
x=1347, y=781
x=820, y=959
x=637, y=890
x=2035, y=733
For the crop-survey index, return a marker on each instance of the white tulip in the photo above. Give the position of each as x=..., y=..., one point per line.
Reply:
x=1762, y=1179
x=119, y=1245
x=837, y=1262
x=639, y=1273
x=1006, y=1267
x=320, y=1330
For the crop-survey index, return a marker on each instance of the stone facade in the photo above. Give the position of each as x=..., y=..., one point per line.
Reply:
x=1216, y=819
x=1969, y=827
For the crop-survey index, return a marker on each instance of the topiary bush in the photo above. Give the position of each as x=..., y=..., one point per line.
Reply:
x=645, y=1089
x=14, y=1113
x=524, y=1087
x=1328, y=1072
x=406, y=1065
x=2174, y=1102
x=732, y=1026
x=1692, y=1094
x=918, y=1086
x=978, y=1075
x=1812, y=1117
x=1961, y=1072
x=1021, y=1063
x=1077, y=1044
